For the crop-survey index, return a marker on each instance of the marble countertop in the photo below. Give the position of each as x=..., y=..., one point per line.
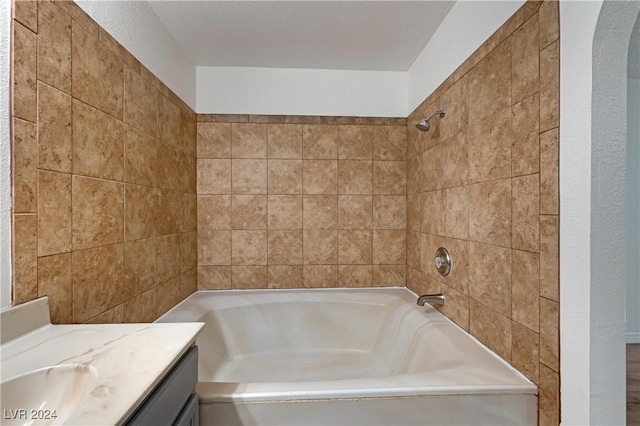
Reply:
x=131, y=359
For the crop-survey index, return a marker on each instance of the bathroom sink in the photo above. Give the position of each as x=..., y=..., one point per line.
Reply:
x=46, y=396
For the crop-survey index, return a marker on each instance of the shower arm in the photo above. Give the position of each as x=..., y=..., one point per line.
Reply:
x=441, y=113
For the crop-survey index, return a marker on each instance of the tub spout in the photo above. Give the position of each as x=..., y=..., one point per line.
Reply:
x=434, y=299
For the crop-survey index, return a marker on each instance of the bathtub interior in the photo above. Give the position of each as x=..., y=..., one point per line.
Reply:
x=276, y=336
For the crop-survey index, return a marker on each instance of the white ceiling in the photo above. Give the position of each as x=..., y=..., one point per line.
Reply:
x=345, y=35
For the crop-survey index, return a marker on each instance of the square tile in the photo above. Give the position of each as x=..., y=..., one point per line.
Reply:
x=214, y=247
x=169, y=212
x=214, y=176
x=525, y=61
x=490, y=277
x=54, y=281
x=355, y=177
x=140, y=102
x=284, y=141
x=390, y=143
x=285, y=276
x=248, y=212
x=214, y=277
x=389, y=275
x=285, y=177
x=189, y=219
x=248, y=140
x=389, y=177
x=355, y=211
x=214, y=140
x=320, y=211
x=320, y=176
x=525, y=350
x=525, y=289
x=54, y=213
x=284, y=211
x=447, y=164
x=141, y=151
x=25, y=45
x=525, y=220
x=389, y=212
x=25, y=257
x=54, y=45
x=249, y=247
x=98, y=143
x=490, y=212
x=188, y=251
x=355, y=275
x=169, y=118
x=320, y=141
x=355, y=142
x=214, y=211
x=549, y=86
x=248, y=277
x=98, y=281
x=549, y=188
x=490, y=84
x=320, y=247
x=490, y=148
x=549, y=334
x=285, y=247
x=389, y=246
x=54, y=129
x=320, y=276
x=456, y=101
x=248, y=176
x=140, y=213
x=24, y=150
x=97, y=74
x=355, y=247
x=142, y=308
x=525, y=125
x=98, y=212
x=140, y=266
x=549, y=259
x=168, y=255
x=491, y=328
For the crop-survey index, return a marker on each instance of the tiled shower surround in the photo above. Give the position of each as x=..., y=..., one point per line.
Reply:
x=104, y=174
x=483, y=182
x=287, y=202
x=122, y=202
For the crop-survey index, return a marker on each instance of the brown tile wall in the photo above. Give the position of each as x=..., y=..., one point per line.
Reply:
x=483, y=182
x=104, y=173
x=292, y=202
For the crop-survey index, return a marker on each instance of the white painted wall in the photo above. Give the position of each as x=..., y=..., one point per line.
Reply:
x=633, y=211
x=5, y=156
x=284, y=91
x=136, y=26
x=593, y=55
x=467, y=25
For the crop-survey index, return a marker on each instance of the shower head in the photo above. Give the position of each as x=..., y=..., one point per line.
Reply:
x=424, y=124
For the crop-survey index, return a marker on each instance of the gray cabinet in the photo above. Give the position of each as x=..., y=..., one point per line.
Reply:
x=173, y=401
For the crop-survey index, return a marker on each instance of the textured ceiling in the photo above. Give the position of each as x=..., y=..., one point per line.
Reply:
x=348, y=35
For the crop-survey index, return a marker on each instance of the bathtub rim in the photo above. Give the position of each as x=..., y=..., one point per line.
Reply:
x=215, y=392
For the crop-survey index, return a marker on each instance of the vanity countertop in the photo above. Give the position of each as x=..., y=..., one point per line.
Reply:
x=131, y=359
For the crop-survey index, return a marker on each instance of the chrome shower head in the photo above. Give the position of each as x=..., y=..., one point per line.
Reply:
x=424, y=124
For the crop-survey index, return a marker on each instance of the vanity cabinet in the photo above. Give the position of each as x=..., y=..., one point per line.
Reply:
x=173, y=401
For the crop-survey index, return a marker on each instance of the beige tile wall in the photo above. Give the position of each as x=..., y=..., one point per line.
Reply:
x=104, y=173
x=483, y=182
x=289, y=202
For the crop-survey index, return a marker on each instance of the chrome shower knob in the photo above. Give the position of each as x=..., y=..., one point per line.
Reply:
x=443, y=261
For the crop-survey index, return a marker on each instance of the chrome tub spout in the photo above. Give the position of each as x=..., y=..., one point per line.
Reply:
x=434, y=299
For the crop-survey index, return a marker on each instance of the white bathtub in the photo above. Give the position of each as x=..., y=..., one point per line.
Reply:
x=345, y=357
